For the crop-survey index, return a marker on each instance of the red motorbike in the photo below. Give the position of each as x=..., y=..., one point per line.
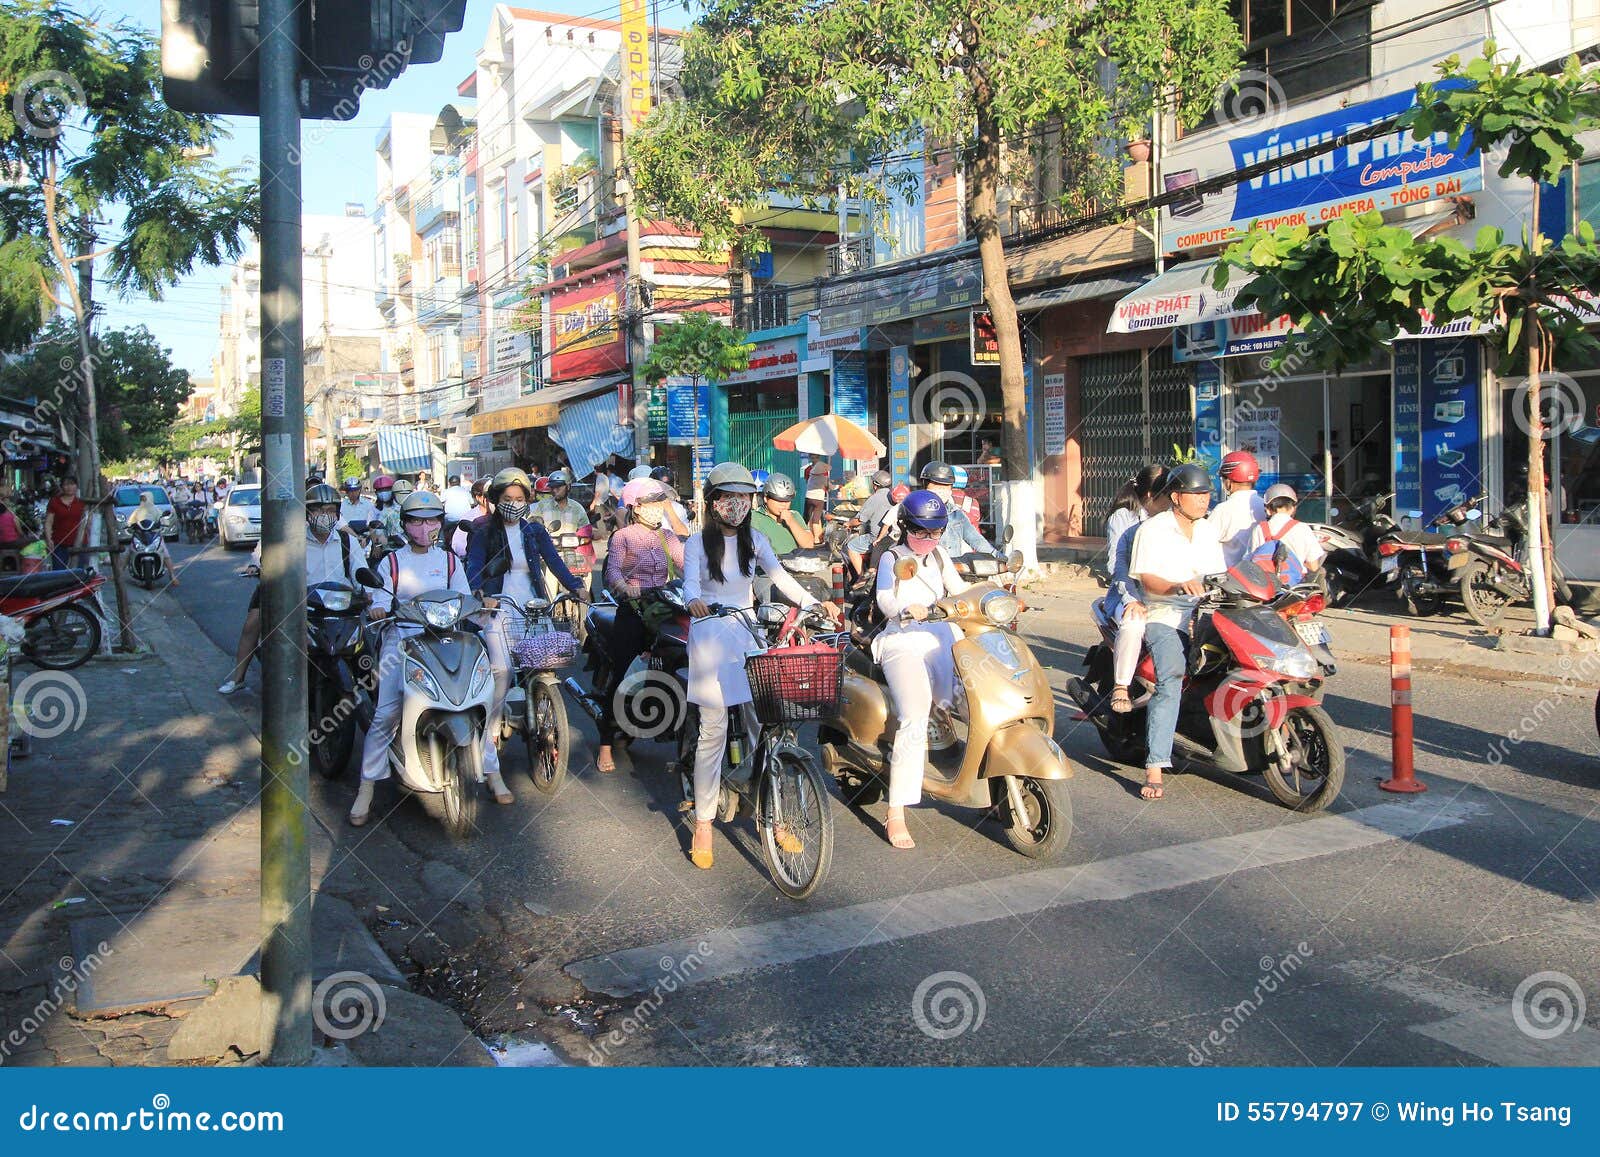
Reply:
x=1252, y=695
x=60, y=611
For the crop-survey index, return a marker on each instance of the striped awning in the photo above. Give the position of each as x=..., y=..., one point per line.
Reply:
x=404, y=451
x=589, y=432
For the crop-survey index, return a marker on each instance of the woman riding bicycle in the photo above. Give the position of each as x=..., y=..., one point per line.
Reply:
x=915, y=654
x=642, y=557
x=719, y=568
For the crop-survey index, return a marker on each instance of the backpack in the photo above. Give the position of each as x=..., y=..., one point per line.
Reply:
x=394, y=569
x=1291, y=570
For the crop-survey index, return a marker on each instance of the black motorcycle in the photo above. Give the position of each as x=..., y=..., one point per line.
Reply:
x=652, y=702
x=1417, y=562
x=337, y=664
x=1350, y=565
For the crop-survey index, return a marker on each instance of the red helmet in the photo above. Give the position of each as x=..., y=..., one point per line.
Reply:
x=383, y=482
x=898, y=494
x=541, y=485
x=1240, y=466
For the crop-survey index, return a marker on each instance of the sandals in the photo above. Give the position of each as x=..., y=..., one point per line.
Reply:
x=787, y=841
x=894, y=827
x=605, y=763
x=1153, y=789
x=1120, y=703
x=502, y=793
x=700, y=849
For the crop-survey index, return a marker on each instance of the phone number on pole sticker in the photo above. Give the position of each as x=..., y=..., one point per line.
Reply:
x=275, y=391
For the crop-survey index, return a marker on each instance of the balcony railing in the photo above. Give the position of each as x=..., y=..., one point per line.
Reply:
x=440, y=302
x=851, y=255
x=771, y=306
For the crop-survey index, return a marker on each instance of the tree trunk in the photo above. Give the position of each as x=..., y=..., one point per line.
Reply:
x=983, y=180
x=1539, y=554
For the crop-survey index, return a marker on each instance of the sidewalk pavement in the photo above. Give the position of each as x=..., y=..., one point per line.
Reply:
x=1448, y=642
x=129, y=877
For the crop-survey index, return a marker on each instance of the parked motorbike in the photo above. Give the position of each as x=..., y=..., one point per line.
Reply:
x=765, y=771
x=1001, y=756
x=60, y=610
x=1416, y=561
x=1493, y=570
x=437, y=753
x=1351, y=563
x=1252, y=696
x=543, y=639
x=335, y=660
x=148, y=565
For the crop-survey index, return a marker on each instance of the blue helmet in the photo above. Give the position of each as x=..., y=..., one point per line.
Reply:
x=961, y=476
x=925, y=510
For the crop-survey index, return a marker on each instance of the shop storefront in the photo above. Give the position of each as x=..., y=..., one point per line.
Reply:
x=760, y=400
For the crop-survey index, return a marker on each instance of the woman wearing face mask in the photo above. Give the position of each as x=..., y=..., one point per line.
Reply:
x=916, y=655
x=507, y=556
x=641, y=558
x=419, y=566
x=719, y=566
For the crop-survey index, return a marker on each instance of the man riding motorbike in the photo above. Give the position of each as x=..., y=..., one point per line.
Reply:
x=960, y=536
x=1172, y=554
x=719, y=567
x=916, y=655
x=420, y=566
x=148, y=517
x=331, y=556
x=1241, y=507
x=870, y=516
x=641, y=557
x=558, y=505
x=355, y=508
x=389, y=511
x=774, y=517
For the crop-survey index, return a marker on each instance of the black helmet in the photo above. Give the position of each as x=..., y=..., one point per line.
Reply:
x=938, y=473
x=778, y=487
x=882, y=480
x=1189, y=479
x=663, y=475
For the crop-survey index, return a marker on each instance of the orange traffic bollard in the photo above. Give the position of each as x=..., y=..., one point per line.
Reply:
x=1404, y=777
x=836, y=578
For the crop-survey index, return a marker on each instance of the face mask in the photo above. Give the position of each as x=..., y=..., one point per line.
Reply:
x=651, y=516
x=322, y=523
x=423, y=532
x=384, y=494
x=512, y=510
x=732, y=509
x=921, y=546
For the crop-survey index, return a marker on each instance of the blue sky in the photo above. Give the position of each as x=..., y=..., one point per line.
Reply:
x=338, y=164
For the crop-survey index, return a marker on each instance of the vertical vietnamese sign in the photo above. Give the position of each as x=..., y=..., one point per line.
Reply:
x=900, y=412
x=1447, y=424
x=1055, y=414
x=635, y=63
x=1407, y=426
x=1208, y=414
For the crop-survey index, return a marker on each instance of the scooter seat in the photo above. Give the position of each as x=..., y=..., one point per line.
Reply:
x=42, y=584
x=603, y=619
x=1098, y=610
x=860, y=660
x=1422, y=538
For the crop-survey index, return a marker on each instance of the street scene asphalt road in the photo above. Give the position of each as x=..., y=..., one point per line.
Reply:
x=1450, y=927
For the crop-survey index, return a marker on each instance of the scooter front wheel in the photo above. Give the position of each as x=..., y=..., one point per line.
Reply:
x=548, y=735
x=1486, y=604
x=794, y=814
x=456, y=807
x=1312, y=772
x=63, y=638
x=1043, y=827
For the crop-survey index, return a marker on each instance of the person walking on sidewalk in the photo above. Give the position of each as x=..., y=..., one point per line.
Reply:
x=66, y=526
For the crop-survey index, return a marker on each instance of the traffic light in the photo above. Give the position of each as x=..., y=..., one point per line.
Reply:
x=209, y=51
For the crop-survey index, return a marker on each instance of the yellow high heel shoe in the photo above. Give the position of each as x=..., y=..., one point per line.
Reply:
x=700, y=856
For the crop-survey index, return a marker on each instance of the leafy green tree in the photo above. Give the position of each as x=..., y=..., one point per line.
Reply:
x=245, y=425
x=1360, y=283
x=351, y=465
x=699, y=348
x=806, y=96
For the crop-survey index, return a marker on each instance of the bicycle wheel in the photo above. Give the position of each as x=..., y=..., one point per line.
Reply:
x=796, y=823
x=547, y=734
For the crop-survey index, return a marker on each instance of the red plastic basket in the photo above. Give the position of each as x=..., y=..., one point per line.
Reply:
x=795, y=684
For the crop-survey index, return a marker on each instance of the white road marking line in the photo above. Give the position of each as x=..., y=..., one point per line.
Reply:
x=732, y=951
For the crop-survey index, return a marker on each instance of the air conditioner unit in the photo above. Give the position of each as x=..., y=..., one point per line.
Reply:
x=455, y=370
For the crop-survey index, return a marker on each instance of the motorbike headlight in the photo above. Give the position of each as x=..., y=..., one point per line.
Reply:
x=482, y=672
x=441, y=614
x=336, y=600
x=1000, y=608
x=417, y=675
x=1296, y=664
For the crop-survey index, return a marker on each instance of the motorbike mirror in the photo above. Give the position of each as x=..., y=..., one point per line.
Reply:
x=905, y=569
x=1014, y=563
x=553, y=526
x=1474, y=513
x=1413, y=514
x=366, y=578
x=1333, y=512
x=1010, y=533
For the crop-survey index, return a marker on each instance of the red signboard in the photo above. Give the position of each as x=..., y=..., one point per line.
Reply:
x=985, y=342
x=588, y=337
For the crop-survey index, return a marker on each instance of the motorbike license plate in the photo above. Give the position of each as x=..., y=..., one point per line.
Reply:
x=1390, y=565
x=1311, y=634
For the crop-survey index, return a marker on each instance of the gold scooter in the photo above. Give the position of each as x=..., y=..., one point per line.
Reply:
x=1001, y=756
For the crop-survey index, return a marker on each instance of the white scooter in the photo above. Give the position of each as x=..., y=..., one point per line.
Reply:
x=149, y=564
x=437, y=753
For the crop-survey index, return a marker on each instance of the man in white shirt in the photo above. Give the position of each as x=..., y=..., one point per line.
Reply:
x=1280, y=526
x=1173, y=552
x=1241, y=507
x=457, y=500
x=355, y=507
x=331, y=557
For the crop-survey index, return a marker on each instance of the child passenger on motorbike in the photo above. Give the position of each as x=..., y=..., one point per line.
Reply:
x=420, y=566
x=915, y=654
x=641, y=558
x=1146, y=496
x=719, y=567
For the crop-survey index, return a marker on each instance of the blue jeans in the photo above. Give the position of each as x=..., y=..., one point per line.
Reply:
x=65, y=558
x=1161, y=719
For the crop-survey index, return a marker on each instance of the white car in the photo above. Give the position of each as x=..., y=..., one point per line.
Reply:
x=239, y=521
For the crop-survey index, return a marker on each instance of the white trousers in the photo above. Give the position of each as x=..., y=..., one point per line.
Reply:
x=708, y=761
x=918, y=664
x=498, y=645
x=1125, y=653
x=387, y=710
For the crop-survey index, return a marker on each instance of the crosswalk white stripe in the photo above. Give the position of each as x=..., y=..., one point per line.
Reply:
x=731, y=951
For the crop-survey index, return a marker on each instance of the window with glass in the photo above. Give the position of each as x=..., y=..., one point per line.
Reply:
x=1305, y=47
x=902, y=219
